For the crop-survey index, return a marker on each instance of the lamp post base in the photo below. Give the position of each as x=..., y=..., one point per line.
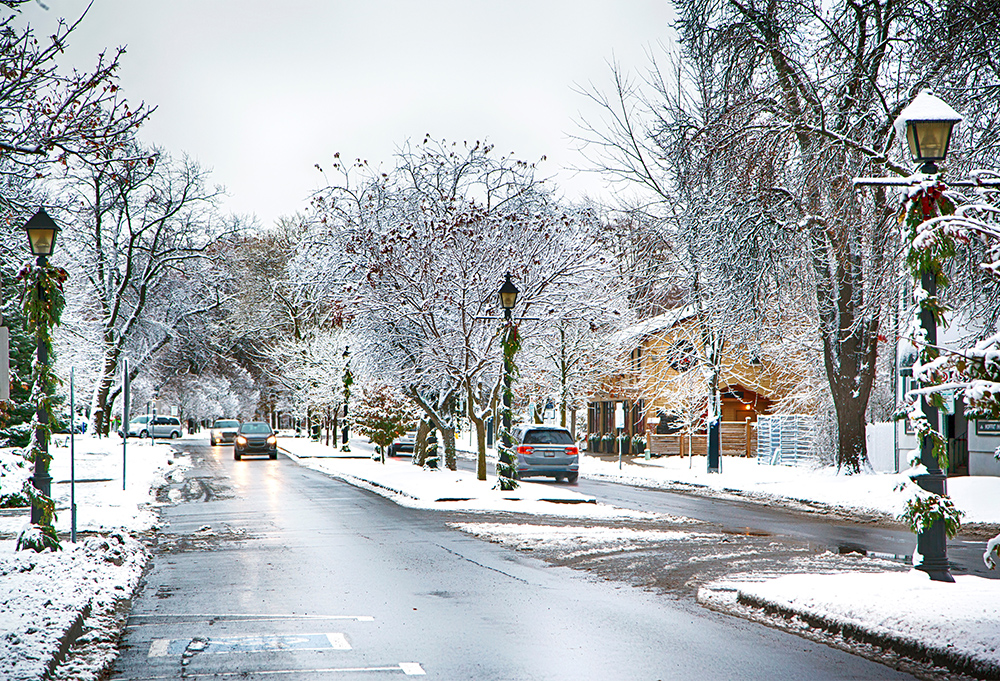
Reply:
x=932, y=553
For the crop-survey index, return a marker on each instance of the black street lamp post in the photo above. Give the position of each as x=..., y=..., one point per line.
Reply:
x=41, y=230
x=926, y=124
x=348, y=381
x=508, y=297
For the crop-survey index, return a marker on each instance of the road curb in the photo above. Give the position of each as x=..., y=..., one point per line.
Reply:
x=68, y=638
x=731, y=600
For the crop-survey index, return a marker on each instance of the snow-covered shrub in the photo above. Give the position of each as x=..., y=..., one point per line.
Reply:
x=14, y=473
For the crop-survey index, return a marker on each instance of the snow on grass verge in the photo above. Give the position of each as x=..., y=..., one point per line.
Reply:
x=54, y=600
x=528, y=536
x=953, y=625
x=68, y=607
x=415, y=487
x=978, y=497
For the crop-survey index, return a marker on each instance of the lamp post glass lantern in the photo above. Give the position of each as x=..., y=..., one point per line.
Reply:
x=927, y=123
x=41, y=231
x=508, y=296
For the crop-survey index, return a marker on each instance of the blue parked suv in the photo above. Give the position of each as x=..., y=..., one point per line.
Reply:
x=546, y=451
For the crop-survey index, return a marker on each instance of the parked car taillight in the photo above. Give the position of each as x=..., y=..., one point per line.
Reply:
x=524, y=449
x=572, y=451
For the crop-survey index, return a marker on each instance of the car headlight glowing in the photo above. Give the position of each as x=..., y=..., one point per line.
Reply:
x=272, y=440
x=241, y=440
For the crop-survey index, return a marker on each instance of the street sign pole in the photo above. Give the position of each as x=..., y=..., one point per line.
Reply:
x=4, y=364
x=72, y=460
x=619, y=425
x=126, y=403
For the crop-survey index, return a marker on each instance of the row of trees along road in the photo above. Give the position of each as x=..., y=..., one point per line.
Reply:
x=417, y=255
x=747, y=139
x=139, y=226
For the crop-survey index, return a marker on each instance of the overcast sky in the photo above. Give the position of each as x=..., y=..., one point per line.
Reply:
x=262, y=90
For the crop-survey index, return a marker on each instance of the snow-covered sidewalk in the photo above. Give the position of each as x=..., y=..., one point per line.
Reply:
x=953, y=624
x=60, y=613
x=978, y=497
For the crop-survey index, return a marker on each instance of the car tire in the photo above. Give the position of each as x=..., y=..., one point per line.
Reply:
x=174, y=435
x=236, y=455
x=213, y=442
x=572, y=477
x=143, y=434
x=274, y=456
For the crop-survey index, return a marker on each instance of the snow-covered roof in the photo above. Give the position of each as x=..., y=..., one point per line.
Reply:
x=653, y=325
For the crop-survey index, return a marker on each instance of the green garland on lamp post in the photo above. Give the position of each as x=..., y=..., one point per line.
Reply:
x=43, y=301
x=348, y=382
x=506, y=458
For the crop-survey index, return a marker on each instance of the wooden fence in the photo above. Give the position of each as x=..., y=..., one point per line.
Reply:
x=738, y=439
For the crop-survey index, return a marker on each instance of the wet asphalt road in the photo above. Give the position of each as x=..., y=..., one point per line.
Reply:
x=817, y=526
x=267, y=570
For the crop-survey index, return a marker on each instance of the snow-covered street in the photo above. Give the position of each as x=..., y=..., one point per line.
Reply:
x=97, y=576
x=898, y=609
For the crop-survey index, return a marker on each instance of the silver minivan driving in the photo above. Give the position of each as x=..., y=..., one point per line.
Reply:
x=546, y=451
x=161, y=426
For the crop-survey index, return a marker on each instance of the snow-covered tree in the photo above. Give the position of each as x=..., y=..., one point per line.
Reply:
x=136, y=223
x=381, y=413
x=765, y=116
x=48, y=116
x=428, y=246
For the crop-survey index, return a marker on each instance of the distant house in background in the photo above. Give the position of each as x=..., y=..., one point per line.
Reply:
x=665, y=379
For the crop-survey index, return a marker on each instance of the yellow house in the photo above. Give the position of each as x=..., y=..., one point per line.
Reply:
x=667, y=375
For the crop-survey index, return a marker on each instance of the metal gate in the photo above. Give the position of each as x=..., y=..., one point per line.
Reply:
x=787, y=439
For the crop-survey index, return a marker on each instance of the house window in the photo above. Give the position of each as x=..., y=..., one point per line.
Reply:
x=681, y=356
x=637, y=359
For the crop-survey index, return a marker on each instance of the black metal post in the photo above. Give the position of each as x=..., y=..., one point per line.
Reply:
x=348, y=380
x=932, y=545
x=714, y=444
x=41, y=479
x=506, y=392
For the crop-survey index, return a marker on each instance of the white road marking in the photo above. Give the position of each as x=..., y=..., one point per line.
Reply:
x=158, y=647
x=338, y=642
x=408, y=668
x=236, y=617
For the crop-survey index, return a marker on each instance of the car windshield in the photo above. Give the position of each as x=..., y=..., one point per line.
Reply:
x=139, y=419
x=548, y=437
x=255, y=428
x=227, y=424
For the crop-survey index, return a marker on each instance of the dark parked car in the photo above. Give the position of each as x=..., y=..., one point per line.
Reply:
x=403, y=444
x=255, y=437
x=546, y=451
